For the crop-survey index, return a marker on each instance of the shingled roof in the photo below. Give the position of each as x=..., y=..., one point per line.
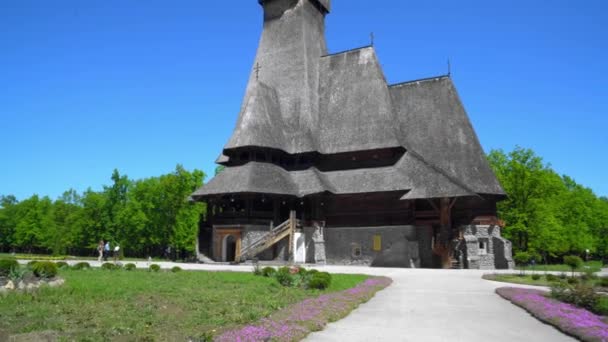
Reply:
x=301, y=99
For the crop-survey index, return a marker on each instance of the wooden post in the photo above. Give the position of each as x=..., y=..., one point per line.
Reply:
x=292, y=230
x=237, y=256
x=445, y=222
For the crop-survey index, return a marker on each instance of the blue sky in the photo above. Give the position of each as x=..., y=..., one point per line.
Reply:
x=89, y=86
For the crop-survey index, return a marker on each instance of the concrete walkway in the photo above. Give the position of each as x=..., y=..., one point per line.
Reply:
x=423, y=305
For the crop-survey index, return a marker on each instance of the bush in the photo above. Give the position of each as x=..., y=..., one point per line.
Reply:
x=154, y=268
x=257, y=270
x=601, y=307
x=109, y=266
x=268, y=271
x=130, y=267
x=580, y=295
x=604, y=282
x=44, y=269
x=588, y=276
x=535, y=276
x=551, y=277
x=573, y=281
x=7, y=265
x=62, y=264
x=176, y=269
x=31, y=264
x=522, y=258
x=302, y=271
x=284, y=277
x=81, y=266
x=573, y=262
x=311, y=272
x=563, y=276
x=320, y=281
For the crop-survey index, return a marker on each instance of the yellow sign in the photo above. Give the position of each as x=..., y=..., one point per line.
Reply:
x=377, y=243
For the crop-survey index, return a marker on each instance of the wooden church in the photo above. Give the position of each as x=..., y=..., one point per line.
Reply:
x=330, y=164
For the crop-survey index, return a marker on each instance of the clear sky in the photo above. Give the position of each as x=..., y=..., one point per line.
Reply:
x=89, y=86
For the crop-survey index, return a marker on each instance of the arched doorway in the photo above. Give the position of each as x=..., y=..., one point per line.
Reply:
x=229, y=248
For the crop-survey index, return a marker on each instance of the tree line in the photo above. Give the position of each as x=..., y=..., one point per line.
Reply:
x=146, y=217
x=547, y=214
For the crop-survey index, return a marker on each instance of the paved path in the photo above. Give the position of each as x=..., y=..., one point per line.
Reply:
x=424, y=305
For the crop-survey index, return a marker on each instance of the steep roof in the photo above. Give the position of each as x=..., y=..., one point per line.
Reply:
x=303, y=100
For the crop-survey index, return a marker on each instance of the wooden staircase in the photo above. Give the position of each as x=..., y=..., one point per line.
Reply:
x=275, y=235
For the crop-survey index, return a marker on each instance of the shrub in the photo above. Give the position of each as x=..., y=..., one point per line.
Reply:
x=535, y=276
x=522, y=259
x=320, y=281
x=268, y=271
x=588, y=275
x=31, y=264
x=62, y=264
x=311, y=272
x=581, y=295
x=44, y=269
x=573, y=262
x=130, y=267
x=81, y=266
x=284, y=277
x=563, y=276
x=109, y=266
x=7, y=265
x=154, y=268
x=550, y=277
x=604, y=282
x=257, y=270
x=601, y=307
x=176, y=269
x=573, y=281
x=302, y=270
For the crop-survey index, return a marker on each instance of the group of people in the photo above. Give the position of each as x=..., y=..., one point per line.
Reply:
x=103, y=248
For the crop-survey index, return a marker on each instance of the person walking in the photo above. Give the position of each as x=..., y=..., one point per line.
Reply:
x=116, y=252
x=100, y=247
x=106, y=250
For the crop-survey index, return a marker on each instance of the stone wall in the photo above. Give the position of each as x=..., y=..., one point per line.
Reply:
x=485, y=248
x=399, y=246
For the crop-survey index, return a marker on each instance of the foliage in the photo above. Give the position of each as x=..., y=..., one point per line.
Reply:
x=574, y=262
x=601, y=307
x=44, y=269
x=62, y=264
x=152, y=307
x=320, y=280
x=573, y=281
x=176, y=269
x=604, y=281
x=17, y=274
x=284, y=277
x=551, y=278
x=546, y=213
x=6, y=265
x=109, y=266
x=143, y=216
x=130, y=267
x=581, y=295
x=535, y=276
x=268, y=271
x=154, y=268
x=522, y=259
x=81, y=266
x=257, y=270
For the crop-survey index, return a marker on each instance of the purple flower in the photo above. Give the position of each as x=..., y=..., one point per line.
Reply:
x=312, y=314
x=566, y=317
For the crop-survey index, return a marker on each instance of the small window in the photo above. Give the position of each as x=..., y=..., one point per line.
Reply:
x=483, y=247
x=356, y=251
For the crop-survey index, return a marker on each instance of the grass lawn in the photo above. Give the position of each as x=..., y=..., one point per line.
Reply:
x=101, y=305
x=46, y=257
x=527, y=279
x=594, y=266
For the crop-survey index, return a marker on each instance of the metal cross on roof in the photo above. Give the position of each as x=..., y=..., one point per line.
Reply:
x=257, y=70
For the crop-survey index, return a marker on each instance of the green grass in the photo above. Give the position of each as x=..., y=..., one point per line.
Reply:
x=527, y=279
x=98, y=305
x=594, y=266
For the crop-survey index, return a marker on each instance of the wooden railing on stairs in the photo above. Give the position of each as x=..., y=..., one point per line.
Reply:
x=275, y=235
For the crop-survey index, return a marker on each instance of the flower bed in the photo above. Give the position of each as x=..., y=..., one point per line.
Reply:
x=568, y=318
x=295, y=322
